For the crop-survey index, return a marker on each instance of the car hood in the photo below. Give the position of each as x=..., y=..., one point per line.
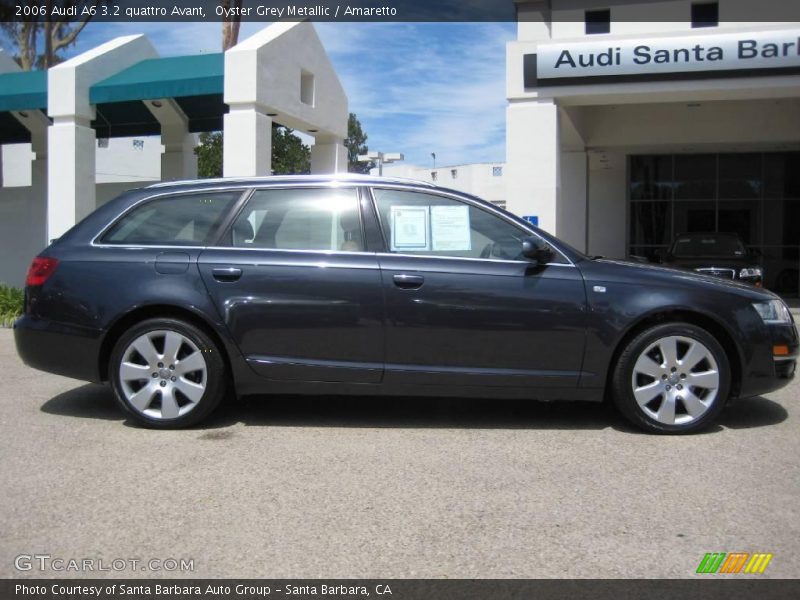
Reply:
x=644, y=274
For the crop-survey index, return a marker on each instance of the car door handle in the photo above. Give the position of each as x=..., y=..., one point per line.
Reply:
x=227, y=274
x=408, y=282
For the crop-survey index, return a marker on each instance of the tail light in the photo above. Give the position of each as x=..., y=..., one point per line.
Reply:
x=40, y=270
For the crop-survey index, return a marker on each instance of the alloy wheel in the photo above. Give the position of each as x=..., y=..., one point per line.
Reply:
x=675, y=380
x=163, y=374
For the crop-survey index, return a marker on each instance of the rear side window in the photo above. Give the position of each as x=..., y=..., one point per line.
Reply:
x=300, y=219
x=180, y=220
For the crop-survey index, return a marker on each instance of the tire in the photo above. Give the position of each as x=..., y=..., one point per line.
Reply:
x=187, y=386
x=662, y=394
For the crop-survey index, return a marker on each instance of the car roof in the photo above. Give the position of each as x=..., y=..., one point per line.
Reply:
x=300, y=179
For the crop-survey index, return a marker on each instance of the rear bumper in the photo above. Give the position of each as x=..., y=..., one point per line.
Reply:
x=58, y=348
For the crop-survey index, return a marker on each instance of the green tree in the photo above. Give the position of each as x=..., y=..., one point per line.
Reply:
x=209, y=154
x=356, y=144
x=37, y=41
x=290, y=156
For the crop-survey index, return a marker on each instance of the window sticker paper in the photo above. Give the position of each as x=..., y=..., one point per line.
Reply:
x=410, y=228
x=450, y=230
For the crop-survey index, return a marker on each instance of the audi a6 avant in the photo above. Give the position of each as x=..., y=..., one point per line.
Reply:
x=180, y=294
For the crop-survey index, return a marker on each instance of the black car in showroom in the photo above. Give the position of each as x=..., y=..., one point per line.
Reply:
x=179, y=293
x=717, y=254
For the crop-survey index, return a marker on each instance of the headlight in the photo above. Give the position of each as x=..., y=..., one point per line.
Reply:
x=773, y=311
x=750, y=272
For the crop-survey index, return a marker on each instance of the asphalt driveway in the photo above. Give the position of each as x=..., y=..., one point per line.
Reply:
x=368, y=487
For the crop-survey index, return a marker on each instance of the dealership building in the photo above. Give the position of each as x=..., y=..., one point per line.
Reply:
x=629, y=124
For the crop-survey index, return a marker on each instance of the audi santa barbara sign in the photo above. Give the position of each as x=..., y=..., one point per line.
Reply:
x=661, y=56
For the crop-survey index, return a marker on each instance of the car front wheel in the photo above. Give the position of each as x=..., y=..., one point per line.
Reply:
x=672, y=378
x=167, y=373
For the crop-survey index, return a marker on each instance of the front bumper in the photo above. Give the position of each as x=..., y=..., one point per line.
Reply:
x=58, y=348
x=767, y=371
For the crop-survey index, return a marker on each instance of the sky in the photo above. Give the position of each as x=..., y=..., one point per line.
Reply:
x=417, y=88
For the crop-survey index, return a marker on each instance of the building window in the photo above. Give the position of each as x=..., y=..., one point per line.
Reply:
x=433, y=175
x=754, y=195
x=598, y=21
x=497, y=171
x=138, y=145
x=454, y=173
x=307, y=88
x=705, y=14
x=102, y=142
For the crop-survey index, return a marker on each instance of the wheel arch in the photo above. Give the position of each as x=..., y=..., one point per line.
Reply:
x=154, y=311
x=682, y=315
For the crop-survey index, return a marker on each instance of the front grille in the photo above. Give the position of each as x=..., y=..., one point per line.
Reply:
x=713, y=271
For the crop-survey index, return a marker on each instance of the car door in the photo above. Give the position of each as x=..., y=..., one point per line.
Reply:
x=297, y=291
x=463, y=307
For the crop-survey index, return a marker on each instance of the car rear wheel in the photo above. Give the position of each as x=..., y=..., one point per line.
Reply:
x=167, y=373
x=672, y=378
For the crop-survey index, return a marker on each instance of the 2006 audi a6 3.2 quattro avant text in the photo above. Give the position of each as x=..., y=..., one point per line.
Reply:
x=180, y=293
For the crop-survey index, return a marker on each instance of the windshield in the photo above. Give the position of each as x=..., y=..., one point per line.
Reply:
x=708, y=244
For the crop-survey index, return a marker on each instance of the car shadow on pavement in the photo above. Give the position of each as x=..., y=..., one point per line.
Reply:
x=96, y=402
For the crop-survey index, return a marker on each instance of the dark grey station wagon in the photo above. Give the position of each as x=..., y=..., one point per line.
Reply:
x=180, y=293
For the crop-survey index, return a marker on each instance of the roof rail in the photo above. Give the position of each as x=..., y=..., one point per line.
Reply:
x=345, y=177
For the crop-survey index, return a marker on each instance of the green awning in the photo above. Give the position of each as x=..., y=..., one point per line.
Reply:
x=23, y=90
x=196, y=83
x=170, y=77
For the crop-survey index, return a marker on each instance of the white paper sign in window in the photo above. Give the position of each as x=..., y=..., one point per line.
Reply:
x=450, y=231
x=410, y=228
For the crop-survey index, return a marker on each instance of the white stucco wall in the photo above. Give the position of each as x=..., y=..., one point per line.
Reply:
x=477, y=179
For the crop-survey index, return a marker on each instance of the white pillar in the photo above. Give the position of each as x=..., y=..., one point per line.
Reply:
x=71, y=141
x=571, y=209
x=532, y=155
x=71, y=173
x=247, y=148
x=178, y=160
x=607, y=204
x=37, y=206
x=328, y=156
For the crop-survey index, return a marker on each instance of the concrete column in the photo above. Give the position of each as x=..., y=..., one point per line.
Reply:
x=571, y=209
x=247, y=149
x=328, y=156
x=607, y=206
x=178, y=160
x=71, y=141
x=37, y=206
x=71, y=173
x=532, y=155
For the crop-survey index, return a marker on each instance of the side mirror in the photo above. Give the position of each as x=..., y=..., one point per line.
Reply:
x=537, y=250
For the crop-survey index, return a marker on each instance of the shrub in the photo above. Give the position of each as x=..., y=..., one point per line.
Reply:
x=11, y=304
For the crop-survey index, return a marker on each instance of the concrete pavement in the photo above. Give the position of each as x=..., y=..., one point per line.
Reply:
x=322, y=487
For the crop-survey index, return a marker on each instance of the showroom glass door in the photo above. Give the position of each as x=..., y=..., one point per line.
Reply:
x=753, y=194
